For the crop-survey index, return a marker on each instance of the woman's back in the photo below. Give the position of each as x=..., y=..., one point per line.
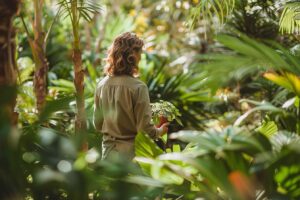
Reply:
x=117, y=96
x=122, y=104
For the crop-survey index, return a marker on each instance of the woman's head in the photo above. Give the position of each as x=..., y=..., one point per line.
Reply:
x=124, y=55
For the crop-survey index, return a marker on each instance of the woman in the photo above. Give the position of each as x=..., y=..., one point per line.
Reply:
x=122, y=105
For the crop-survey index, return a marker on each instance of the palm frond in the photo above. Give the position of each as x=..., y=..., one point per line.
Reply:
x=289, y=20
x=187, y=91
x=85, y=8
x=248, y=56
x=268, y=128
x=207, y=9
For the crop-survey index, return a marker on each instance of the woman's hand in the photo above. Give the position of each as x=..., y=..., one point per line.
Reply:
x=163, y=129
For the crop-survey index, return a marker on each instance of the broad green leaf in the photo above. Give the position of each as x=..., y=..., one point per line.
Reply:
x=145, y=146
x=143, y=180
x=160, y=172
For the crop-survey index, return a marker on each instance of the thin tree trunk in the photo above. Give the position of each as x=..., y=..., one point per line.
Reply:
x=8, y=66
x=39, y=55
x=80, y=120
x=80, y=123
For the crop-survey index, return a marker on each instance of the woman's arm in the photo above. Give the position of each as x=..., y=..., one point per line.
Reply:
x=142, y=112
x=98, y=113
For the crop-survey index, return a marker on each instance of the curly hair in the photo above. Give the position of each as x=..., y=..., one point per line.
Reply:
x=121, y=59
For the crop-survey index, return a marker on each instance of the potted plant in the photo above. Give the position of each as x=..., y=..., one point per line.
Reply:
x=164, y=111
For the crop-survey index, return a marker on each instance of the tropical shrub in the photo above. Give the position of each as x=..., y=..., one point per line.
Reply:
x=40, y=162
x=229, y=164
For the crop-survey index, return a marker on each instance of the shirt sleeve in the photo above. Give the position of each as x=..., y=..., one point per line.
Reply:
x=142, y=112
x=98, y=112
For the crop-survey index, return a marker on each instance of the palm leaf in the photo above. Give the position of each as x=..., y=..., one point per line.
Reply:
x=287, y=80
x=289, y=20
x=207, y=9
x=187, y=91
x=248, y=56
x=268, y=128
x=145, y=146
x=85, y=8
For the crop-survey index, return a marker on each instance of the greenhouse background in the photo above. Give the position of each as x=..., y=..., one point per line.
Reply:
x=225, y=73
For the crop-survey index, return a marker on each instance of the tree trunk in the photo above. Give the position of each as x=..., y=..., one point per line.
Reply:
x=80, y=120
x=39, y=56
x=8, y=66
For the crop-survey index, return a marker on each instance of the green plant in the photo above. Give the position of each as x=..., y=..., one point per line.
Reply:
x=165, y=109
x=77, y=10
x=26, y=102
x=287, y=80
x=64, y=90
x=187, y=91
x=228, y=164
x=41, y=158
x=257, y=19
x=289, y=20
x=208, y=8
x=39, y=163
x=247, y=55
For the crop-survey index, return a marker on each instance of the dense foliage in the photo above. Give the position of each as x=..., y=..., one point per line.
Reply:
x=225, y=72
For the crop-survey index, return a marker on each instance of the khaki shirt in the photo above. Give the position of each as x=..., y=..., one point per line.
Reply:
x=122, y=108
